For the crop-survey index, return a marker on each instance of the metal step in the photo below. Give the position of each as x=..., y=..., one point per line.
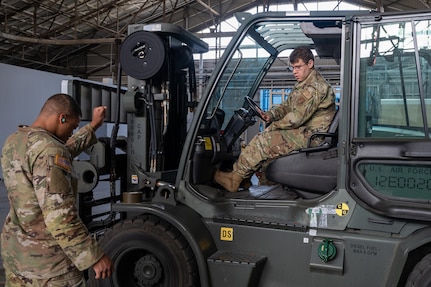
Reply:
x=228, y=268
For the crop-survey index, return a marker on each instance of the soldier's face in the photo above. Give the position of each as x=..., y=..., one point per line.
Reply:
x=301, y=70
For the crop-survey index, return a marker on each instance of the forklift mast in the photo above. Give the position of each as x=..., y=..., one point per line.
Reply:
x=158, y=99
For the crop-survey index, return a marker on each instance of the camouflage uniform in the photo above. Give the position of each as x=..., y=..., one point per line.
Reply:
x=43, y=236
x=73, y=278
x=309, y=108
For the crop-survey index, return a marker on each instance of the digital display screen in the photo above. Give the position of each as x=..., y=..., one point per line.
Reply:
x=399, y=180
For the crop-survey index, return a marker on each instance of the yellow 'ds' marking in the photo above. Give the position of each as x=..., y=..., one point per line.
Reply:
x=226, y=233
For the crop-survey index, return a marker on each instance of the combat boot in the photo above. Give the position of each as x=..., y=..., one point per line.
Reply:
x=229, y=180
x=246, y=183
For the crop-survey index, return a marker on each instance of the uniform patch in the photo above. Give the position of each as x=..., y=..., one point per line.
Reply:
x=301, y=100
x=63, y=162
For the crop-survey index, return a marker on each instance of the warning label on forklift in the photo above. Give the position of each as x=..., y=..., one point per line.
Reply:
x=226, y=233
x=319, y=214
x=342, y=209
x=208, y=144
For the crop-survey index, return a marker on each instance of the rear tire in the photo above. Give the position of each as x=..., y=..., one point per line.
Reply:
x=421, y=273
x=147, y=251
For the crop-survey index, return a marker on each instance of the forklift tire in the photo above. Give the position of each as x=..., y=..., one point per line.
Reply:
x=421, y=273
x=147, y=251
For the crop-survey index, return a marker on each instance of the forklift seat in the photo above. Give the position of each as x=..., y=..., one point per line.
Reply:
x=311, y=171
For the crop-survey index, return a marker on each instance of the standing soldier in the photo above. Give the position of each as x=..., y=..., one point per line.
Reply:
x=309, y=108
x=44, y=242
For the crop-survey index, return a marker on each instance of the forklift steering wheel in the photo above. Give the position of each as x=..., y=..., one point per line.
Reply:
x=254, y=107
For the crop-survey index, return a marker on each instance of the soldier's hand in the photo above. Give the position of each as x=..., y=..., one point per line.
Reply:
x=264, y=116
x=103, y=268
x=98, y=117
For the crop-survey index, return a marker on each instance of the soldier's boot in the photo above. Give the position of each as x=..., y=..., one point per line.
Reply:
x=229, y=180
x=263, y=180
x=246, y=183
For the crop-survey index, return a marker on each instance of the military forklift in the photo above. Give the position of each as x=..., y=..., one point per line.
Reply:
x=354, y=211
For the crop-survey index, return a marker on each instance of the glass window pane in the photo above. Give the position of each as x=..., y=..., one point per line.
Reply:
x=390, y=104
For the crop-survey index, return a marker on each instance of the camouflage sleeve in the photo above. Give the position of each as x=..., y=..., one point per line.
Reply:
x=52, y=182
x=305, y=103
x=81, y=140
x=280, y=111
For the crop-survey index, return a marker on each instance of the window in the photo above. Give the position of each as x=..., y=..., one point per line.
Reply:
x=394, y=80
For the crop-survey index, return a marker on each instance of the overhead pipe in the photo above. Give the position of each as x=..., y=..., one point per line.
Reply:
x=59, y=41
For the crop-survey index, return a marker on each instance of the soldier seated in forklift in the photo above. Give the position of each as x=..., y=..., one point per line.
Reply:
x=309, y=109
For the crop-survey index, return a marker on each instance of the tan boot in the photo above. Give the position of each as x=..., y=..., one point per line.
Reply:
x=246, y=183
x=229, y=180
x=263, y=180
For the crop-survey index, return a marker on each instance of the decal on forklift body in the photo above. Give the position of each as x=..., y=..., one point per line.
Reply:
x=342, y=209
x=134, y=179
x=226, y=233
x=218, y=147
x=318, y=215
x=208, y=144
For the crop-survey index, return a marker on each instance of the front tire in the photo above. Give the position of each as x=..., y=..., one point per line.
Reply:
x=421, y=273
x=147, y=251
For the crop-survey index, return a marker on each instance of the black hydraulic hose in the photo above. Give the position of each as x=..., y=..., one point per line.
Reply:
x=192, y=81
x=112, y=147
x=153, y=139
x=113, y=139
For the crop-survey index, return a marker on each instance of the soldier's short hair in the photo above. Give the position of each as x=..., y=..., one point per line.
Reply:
x=301, y=53
x=63, y=103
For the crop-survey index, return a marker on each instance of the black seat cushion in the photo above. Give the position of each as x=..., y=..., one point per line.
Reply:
x=311, y=171
x=314, y=172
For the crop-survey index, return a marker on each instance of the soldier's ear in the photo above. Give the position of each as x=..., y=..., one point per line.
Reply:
x=62, y=118
x=310, y=63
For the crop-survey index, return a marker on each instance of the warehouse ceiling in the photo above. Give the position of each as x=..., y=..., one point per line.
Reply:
x=82, y=37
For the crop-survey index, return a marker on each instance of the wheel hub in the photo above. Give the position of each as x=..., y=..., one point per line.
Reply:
x=148, y=270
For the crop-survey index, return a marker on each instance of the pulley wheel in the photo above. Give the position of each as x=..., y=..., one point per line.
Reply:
x=142, y=55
